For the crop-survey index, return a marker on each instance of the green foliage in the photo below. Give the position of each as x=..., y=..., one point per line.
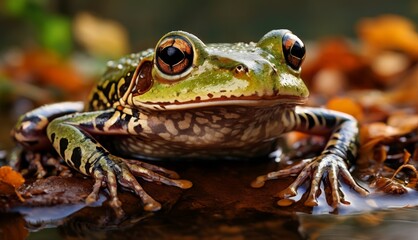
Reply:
x=53, y=29
x=55, y=34
x=15, y=7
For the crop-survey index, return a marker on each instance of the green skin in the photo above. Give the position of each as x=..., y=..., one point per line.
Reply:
x=230, y=101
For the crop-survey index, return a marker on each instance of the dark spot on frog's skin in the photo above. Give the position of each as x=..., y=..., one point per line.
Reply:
x=117, y=125
x=210, y=95
x=103, y=152
x=76, y=157
x=96, y=102
x=95, y=96
x=135, y=113
x=120, y=122
x=106, y=91
x=63, y=146
x=114, y=97
x=52, y=138
x=157, y=128
x=330, y=121
x=87, y=167
x=311, y=121
x=86, y=125
x=138, y=128
x=303, y=121
x=124, y=87
x=102, y=118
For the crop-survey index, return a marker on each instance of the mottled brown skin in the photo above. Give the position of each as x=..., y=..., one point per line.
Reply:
x=213, y=133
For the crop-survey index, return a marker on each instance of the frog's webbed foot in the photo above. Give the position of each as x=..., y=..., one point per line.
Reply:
x=326, y=168
x=39, y=164
x=116, y=170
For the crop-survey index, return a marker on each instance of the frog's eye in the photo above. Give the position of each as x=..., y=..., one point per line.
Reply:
x=293, y=50
x=174, y=55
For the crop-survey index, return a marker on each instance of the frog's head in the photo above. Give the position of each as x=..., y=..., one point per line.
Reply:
x=185, y=73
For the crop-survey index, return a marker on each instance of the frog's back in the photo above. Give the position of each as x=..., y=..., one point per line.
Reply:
x=114, y=81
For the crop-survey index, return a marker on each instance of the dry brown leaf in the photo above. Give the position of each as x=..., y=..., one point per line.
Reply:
x=404, y=122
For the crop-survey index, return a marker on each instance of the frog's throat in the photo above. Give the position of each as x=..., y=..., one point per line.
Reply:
x=282, y=100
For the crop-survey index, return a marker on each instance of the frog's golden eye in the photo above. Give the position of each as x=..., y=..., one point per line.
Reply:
x=293, y=50
x=174, y=55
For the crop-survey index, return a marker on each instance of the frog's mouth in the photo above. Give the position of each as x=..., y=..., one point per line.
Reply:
x=249, y=101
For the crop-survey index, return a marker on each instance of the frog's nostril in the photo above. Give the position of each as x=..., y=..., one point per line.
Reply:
x=241, y=69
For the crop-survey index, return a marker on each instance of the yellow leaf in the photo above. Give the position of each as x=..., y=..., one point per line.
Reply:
x=100, y=36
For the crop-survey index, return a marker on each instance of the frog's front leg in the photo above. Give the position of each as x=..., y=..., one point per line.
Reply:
x=72, y=137
x=30, y=133
x=334, y=161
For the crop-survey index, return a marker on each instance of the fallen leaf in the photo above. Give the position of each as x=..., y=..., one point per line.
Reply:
x=10, y=181
x=346, y=105
x=389, y=32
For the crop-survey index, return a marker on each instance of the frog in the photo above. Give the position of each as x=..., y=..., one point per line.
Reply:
x=185, y=99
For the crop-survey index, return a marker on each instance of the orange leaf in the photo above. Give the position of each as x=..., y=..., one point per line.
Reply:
x=11, y=177
x=10, y=181
x=346, y=105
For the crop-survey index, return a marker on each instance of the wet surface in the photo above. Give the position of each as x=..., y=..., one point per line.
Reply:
x=220, y=205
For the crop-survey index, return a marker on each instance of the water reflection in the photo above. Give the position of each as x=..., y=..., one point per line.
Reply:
x=399, y=223
x=379, y=224
x=363, y=219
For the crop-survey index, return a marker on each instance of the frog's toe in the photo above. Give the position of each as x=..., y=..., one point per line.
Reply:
x=109, y=176
x=98, y=183
x=110, y=180
x=349, y=180
x=335, y=196
x=328, y=169
x=121, y=171
x=316, y=171
x=295, y=169
x=35, y=160
x=149, y=173
x=39, y=163
x=58, y=167
x=291, y=190
x=154, y=168
x=128, y=180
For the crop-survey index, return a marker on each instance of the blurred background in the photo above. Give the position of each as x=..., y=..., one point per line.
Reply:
x=62, y=46
x=51, y=23
x=362, y=58
x=55, y=50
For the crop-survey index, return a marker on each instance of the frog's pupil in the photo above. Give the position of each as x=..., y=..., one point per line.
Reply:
x=172, y=55
x=298, y=50
x=293, y=50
